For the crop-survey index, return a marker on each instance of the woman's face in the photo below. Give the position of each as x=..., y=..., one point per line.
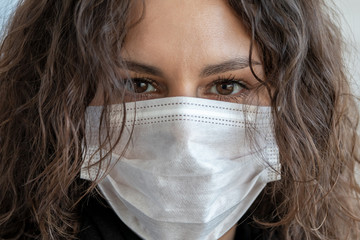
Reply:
x=191, y=48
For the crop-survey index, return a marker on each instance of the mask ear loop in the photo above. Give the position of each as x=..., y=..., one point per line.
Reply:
x=272, y=151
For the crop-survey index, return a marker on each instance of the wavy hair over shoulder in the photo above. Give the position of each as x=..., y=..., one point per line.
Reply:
x=315, y=119
x=56, y=54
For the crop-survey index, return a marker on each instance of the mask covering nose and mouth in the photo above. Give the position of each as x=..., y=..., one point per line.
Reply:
x=192, y=167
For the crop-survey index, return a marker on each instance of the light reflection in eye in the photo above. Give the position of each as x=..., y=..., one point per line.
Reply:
x=142, y=85
x=226, y=88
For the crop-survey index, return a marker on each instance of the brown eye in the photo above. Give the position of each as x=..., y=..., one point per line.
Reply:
x=226, y=88
x=142, y=86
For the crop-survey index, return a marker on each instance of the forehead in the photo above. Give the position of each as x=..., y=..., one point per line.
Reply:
x=187, y=30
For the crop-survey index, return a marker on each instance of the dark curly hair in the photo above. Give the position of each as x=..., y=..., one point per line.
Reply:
x=56, y=54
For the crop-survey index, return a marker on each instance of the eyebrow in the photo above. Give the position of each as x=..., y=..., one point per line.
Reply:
x=229, y=65
x=143, y=68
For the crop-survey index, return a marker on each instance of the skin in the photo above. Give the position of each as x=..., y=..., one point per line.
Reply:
x=181, y=39
x=178, y=48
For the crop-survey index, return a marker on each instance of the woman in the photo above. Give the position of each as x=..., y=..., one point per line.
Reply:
x=61, y=61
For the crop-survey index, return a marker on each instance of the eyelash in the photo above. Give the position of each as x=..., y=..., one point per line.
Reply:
x=141, y=96
x=143, y=79
x=220, y=79
x=231, y=79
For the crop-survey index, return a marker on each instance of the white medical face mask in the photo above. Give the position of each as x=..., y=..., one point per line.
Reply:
x=191, y=169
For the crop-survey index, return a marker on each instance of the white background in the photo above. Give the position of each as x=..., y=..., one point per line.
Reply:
x=6, y=7
x=350, y=13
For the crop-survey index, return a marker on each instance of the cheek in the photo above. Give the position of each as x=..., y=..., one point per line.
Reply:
x=260, y=94
x=264, y=97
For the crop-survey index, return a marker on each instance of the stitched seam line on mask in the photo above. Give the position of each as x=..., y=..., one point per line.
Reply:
x=192, y=104
x=184, y=117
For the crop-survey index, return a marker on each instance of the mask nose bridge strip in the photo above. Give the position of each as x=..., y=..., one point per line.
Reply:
x=154, y=113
